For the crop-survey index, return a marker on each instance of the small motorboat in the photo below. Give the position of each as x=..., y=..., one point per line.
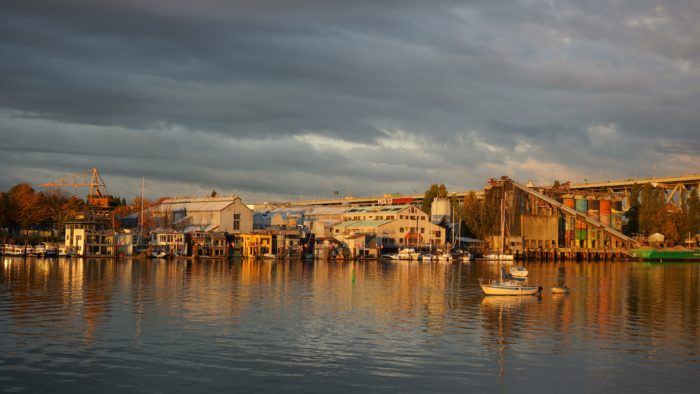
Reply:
x=518, y=271
x=444, y=257
x=464, y=257
x=268, y=256
x=560, y=289
x=498, y=257
x=409, y=254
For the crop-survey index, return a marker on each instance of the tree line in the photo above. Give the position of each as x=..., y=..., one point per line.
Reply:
x=649, y=213
x=22, y=208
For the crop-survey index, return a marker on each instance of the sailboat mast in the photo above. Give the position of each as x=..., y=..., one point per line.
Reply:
x=503, y=231
x=143, y=181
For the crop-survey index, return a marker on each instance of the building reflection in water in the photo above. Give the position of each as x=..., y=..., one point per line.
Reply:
x=634, y=308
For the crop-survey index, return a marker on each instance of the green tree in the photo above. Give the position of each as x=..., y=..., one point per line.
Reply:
x=435, y=191
x=693, y=218
x=632, y=213
x=471, y=215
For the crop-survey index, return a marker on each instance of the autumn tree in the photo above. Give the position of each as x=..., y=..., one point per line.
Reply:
x=27, y=208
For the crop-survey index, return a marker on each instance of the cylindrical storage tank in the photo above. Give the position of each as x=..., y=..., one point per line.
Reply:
x=562, y=231
x=569, y=202
x=605, y=211
x=581, y=205
x=440, y=210
x=593, y=209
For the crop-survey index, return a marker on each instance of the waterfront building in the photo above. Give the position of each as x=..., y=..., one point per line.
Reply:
x=205, y=244
x=125, y=243
x=225, y=214
x=256, y=244
x=279, y=218
x=88, y=239
x=169, y=241
x=320, y=220
x=401, y=225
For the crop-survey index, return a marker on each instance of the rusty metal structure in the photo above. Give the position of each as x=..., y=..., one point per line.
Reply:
x=672, y=185
x=554, y=218
x=99, y=209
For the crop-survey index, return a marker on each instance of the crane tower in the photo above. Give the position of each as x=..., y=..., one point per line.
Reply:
x=99, y=208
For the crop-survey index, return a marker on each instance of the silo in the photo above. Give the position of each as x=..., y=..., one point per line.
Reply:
x=616, y=215
x=592, y=212
x=569, y=226
x=581, y=228
x=605, y=211
x=440, y=211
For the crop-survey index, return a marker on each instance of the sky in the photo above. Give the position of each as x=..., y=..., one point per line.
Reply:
x=290, y=99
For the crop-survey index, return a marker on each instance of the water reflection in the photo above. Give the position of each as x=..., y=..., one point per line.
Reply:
x=345, y=325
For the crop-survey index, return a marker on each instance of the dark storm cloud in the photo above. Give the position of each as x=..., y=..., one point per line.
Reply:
x=304, y=97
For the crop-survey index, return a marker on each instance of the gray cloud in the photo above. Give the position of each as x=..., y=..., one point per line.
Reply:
x=307, y=97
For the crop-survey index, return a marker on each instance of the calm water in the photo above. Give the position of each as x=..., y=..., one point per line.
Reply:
x=116, y=326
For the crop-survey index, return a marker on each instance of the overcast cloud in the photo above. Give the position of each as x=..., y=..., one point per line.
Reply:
x=271, y=99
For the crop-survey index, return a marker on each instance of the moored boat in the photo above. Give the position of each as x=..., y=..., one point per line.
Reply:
x=408, y=254
x=39, y=251
x=560, y=289
x=498, y=257
x=509, y=288
x=518, y=271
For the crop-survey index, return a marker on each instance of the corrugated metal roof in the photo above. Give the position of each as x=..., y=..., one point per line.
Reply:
x=193, y=206
x=378, y=209
x=328, y=211
x=363, y=223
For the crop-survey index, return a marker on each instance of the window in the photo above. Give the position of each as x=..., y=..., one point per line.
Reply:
x=422, y=230
x=437, y=234
x=236, y=221
x=400, y=229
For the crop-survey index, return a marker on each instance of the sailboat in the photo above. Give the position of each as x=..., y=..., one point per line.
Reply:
x=501, y=255
x=505, y=286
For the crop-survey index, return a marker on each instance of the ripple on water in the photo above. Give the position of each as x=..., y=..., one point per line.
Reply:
x=176, y=326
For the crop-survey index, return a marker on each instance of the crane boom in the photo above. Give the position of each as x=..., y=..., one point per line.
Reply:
x=91, y=179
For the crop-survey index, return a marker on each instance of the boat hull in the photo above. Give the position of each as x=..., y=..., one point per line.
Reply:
x=666, y=255
x=509, y=290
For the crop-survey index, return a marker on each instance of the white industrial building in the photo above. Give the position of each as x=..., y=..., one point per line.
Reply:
x=225, y=214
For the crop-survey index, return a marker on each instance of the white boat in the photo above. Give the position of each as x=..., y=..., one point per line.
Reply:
x=508, y=288
x=39, y=251
x=444, y=257
x=268, y=256
x=64, y=251
x=498, y=257
x=14, y=250
x=159, y=254
x=408, y=254
x=518, y=271
x=51, y=250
